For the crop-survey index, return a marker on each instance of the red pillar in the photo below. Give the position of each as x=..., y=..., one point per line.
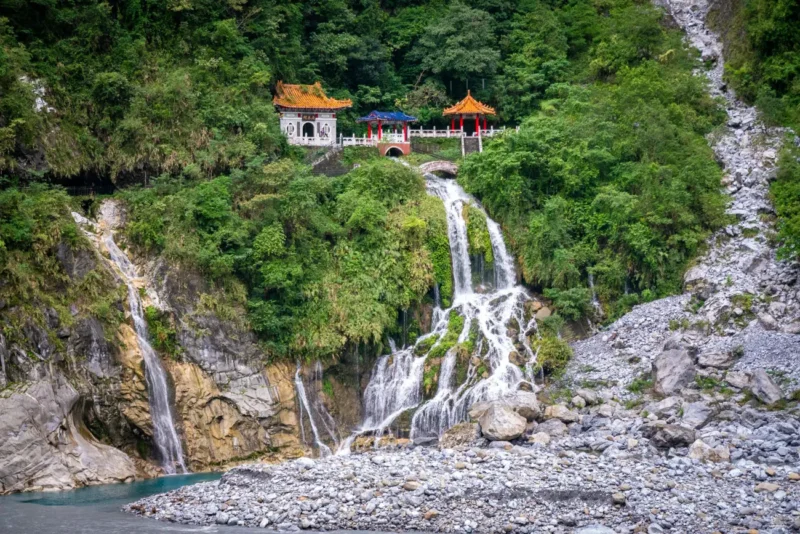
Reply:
x=369, y=130
x=453, y=122
x=380, y=130
x=461, y=121
x=405, y=132
x=477, y=126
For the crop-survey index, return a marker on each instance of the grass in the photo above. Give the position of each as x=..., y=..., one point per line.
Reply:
x=641, y=384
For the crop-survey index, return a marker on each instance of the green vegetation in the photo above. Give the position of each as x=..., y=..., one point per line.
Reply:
x=613, y=175
x=162, y=333
x=785, y=192
x=610, y=173
x=455, y=324
x=38, y=240
x=552, y=354
x=317, y=263
x=762, y=52
x=480, y=244
x=641, y=384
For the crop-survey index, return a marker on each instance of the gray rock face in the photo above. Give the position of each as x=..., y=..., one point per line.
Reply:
x=88, y=342
x=672, y=371
x=764, y=388
x=43, y=445
x=501, y=423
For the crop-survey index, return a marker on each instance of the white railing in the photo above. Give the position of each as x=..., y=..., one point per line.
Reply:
x=312, y=141
x=391, y=137
x=358, y=141
x=434, y=133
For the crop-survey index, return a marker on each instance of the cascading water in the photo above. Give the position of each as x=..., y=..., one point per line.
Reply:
x=494, y=327
x=313, y=409
x=165, y=435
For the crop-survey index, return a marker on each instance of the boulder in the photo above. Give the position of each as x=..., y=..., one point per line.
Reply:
x=460, y=435
x=737, y=379
x=664, y=407
x=717, y=360
x=543, y=313
x=605, y=410
x=578, y=402
x=672, y=371
x=764, y=388
x=667, y=436
x=552, y=427
x=561, y=412
x=588, y=395
x=792, y=328
x=522, y=402
x=501, y=423
x=700, y=450
x=696, y=414
x=767, y=321
x=696, y=282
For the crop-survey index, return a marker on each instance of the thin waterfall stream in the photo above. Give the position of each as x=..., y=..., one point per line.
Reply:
x=494, y=326
x=165, y=435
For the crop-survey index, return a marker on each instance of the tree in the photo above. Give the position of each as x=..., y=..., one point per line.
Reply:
x=458, y=45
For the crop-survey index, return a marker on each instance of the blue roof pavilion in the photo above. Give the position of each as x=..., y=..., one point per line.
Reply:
x=382, y=118
x=387, y=117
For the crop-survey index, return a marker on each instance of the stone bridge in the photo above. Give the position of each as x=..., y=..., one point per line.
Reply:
x=447, y=167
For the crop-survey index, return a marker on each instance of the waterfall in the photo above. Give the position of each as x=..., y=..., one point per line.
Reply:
x=595, y=301
x=305, y=406
x=165, y=435
x=498, y=316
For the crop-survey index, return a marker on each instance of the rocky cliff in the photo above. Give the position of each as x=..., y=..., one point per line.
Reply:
x=74, y=406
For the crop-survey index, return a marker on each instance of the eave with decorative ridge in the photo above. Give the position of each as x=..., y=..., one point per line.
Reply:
x=469, y=106
x=308, y=97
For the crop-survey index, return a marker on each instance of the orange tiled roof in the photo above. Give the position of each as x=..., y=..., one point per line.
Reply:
x=306, y=97
x=469, y=106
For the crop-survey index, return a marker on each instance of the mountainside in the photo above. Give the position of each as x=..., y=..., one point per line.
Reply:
x=615, y=280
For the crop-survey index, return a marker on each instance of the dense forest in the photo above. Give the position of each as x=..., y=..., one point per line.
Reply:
x=609, y=179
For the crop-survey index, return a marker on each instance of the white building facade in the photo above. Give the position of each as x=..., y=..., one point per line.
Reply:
x=307, y=114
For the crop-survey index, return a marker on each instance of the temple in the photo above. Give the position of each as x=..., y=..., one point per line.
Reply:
x=469, y=108
x=307, y=114
x=393, y=142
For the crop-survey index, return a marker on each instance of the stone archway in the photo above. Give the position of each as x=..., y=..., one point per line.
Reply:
x=308, y=130
x=393, y=152
x=446, y=167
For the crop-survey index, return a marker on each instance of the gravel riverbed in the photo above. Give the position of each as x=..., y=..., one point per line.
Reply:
x=502, y=488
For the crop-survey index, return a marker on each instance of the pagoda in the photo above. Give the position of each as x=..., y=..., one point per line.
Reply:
x=469, y=108
x=307, y=114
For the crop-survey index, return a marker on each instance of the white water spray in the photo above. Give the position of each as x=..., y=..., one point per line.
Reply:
x=315, y=411
x=495, y=322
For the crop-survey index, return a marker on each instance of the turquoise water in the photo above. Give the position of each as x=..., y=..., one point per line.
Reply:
x=112, y=494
